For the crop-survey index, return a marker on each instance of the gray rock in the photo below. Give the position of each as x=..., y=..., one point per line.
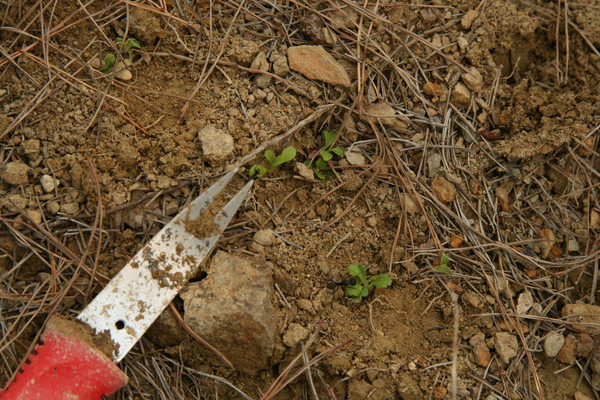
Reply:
x=525, y=302
x=553, y=343
x=49, y=183
x=280, y=66
x=15, y=173
x=217, y=145
x=232, y=310
x=261, y=63
x=506, y=345
x=473, y=80
x=70, y=208
x=586, y=315
x=264, y=237
x=433, y=164
x=294, y=334
x=316, y=63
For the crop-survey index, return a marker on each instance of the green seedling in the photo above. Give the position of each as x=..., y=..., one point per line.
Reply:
x=443, y=267
x=321, y=166
x=365, y=284
x=131, y=48
x=288, y=154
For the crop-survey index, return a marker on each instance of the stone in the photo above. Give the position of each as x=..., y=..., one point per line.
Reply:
x=264, y=237
x=294, y=334
x=316, y=63
x=304, y=171
x=468, y=18
x=163, y=182
x=433, y=164
x=432, y=89
x=31, y=148
x=525, y=302
x=461, y=96
x=280, y=66
x=384, y=112
x=355, y=157
x=444, y=190
x=585, y=316
x=462, y=43
x=166, y=331
x=15, y=173
x=53, y=207
x=503, y=199
x=49, y=183
x=408, y=388
x=16, y=203
x=481, y=352
x=566, y=354
x=261, y=63
x=217, y=145
x=473, y=80
x=231, y=309
x=594, y=219
x=409, y=203
x=506, y=345
x=553, y=343
x=352, y=182
x=70, y=208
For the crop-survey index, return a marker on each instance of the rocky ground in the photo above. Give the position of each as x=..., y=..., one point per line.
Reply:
x=468, y=132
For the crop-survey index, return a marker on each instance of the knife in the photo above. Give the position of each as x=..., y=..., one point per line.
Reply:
x=77, y=359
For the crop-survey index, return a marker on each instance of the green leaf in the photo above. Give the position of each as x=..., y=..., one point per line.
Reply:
x=109, y=61
x=326, y=155
x=382, y=281
x=329, y=138
x=364, y=292
x=444, y=259
x=322, y=164
x=129, y=44
x=444, y=269
x=353, y=290
x=358, y=270
x=286, y=155
x=337, y=150
x=269, y=155
x=257, y=171
x=320, y=175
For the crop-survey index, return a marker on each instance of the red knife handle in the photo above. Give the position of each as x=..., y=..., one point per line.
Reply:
x=65, y=366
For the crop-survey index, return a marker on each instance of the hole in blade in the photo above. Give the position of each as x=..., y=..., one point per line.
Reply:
x=120, y=324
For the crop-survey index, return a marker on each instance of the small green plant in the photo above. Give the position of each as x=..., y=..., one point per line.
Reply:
x=443, y=267
x=131, y=47
x=365, y=284
x=288, y=154
x=321, y=165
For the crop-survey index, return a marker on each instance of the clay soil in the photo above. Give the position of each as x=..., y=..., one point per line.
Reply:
x=503, y=181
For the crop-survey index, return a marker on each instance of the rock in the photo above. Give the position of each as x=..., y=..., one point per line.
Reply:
x=594, y=219
x=444, y=190
x=385, y=113
x=53, y=207
x=355, y=157
x=163, y=182
x=502, y=196
x=264, y=237
x=433, y=164
x=546, y=245
x=304, y=171
x=409, y=203
x=49, y=183
x=432, y=89
x=585, y=316
x=217, y=145
x=16, y=203
x=462, y=43
x=352, y=182
x=70, y=208
x=261, y=63
x=572, y=245
x=306, y=305
x=124, y=74
x=525, y=302
x=372, y=221
x=408, y=388
x=166, y=331
x=506, y=345
x=15, y=173
x=580, y=396
x=553, y=343
x=315, y=63
x=473, y=80
x=280, y=66
x=566, y=354
x=294, y=334
x=31, y=148
x=468, y=18
x=481, y=352
x=232, y=310
x=461, y=96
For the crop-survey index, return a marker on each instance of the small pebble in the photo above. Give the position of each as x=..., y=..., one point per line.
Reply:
x=461, y=96
x=124, y=74
x=372, y=221
x=70, y=208
x=444, y=190
x=53, y=207
x=481, y=352
x=15, y=173
x=264, y=237
x=507, y=346
x=49, y=183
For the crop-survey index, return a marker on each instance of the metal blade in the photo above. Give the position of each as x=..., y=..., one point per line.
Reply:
x=138, y=294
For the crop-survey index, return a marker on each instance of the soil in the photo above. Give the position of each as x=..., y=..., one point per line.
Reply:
x=513, y=196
